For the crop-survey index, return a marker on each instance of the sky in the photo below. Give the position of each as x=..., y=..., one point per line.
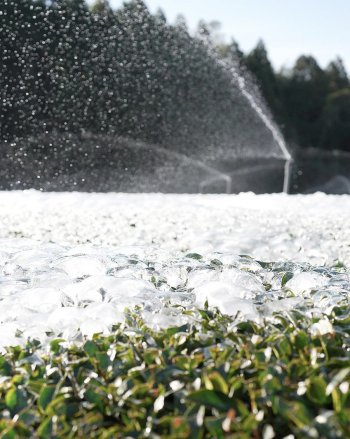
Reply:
x=289, y=28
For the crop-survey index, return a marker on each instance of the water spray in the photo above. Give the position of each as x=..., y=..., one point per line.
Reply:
x=217, y=175
x=240, y=80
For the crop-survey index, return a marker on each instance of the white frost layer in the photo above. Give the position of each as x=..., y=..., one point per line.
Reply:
x=313, y=228
x=70, y=263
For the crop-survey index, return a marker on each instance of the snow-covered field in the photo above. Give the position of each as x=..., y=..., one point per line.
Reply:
x=70, y=263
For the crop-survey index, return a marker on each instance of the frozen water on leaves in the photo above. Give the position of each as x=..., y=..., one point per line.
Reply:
x=223, y=288
x=50, y=290
x=81, y=265
x=102, y=253
x=306, y=282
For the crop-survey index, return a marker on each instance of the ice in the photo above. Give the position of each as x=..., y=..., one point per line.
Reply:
x=326, y=300
x=51, y=279
x=71, y=264
x=281, y=305
x=90, y=289
x=165, y=318
x=66, y=320
x=305, y=282
x=246, y=282
x=32, y=260
x=108, y=313
x=215, y=292
x=199, y=277
x=321, y=327
x=13, y=269
x=175, y=277
x=216, y=286
x=229, y=298
x=129, y=288
x=81, y=265
x=8, y=336
x=39, y=299
x=106, y=288
x=9, y=286
x=92, y=326
x=239, y=307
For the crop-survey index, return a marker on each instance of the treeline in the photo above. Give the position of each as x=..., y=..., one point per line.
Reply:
x=310, y=104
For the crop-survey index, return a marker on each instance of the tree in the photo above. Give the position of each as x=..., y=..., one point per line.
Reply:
x=336, y=75
x=258, y=63
x=210, y=31
x=305, y=92
x=336, y=121
x=160, y=16
x=234, y=49
x=102, y=8
x=180, y=23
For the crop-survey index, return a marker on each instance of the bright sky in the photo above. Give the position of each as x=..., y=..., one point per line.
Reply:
x=288, y=27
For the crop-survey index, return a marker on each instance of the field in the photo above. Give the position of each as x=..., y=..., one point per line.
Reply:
x=174, y=315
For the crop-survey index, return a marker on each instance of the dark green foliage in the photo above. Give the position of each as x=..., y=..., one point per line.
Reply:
x=215, y=378
x=258, y=63
x=309, y=103
x=305, y=94
x=337, y=76
x=336, y=120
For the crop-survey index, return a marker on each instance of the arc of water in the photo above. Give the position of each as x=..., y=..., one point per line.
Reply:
x=227, y=179
x=218, y=175
x=240, y=80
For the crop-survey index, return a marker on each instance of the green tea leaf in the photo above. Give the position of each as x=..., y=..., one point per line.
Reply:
x=316, y=390
x=11, y=398
x=91, y=348
x=46, y=396
x=212, y=398
x=286, y=277
x=45, y=428
x=196, y=256
x=55, y=345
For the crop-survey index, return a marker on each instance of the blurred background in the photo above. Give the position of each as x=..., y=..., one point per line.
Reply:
x=185, y=96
